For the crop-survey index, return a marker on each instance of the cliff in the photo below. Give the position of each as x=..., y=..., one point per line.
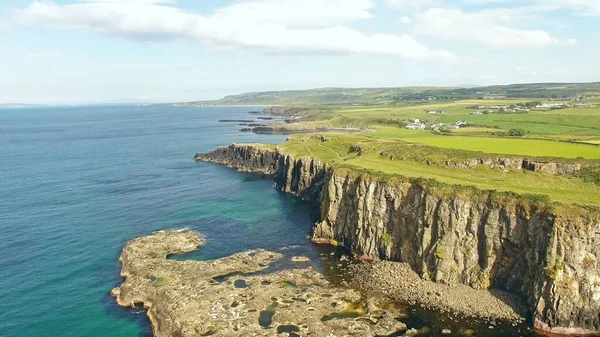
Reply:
x=302, y=177
x=505, y=163
x=549, y=258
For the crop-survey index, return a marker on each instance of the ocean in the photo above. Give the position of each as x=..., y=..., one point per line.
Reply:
x=77, y=183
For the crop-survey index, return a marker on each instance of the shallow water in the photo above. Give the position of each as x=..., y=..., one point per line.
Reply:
x=77, y=183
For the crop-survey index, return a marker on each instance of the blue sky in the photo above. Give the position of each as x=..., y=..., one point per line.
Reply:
x=100, y=51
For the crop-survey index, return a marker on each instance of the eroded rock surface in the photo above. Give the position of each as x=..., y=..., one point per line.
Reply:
x=223, y=298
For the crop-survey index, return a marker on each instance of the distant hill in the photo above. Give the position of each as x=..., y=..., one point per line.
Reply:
x=385, y=96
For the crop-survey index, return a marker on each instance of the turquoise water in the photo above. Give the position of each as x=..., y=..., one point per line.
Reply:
x=77, y=183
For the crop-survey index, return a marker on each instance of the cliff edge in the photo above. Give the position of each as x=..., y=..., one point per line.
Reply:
x=547, y=255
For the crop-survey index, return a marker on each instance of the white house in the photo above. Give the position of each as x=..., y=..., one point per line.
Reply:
x=436, y=126
x=546, y=106
x=415, y=125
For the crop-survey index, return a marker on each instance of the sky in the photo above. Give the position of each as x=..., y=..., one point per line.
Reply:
x=111, y=51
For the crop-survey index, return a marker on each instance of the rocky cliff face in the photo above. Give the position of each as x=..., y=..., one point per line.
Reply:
x=552, y=168
x=548, y=259
x=551, y=260
x=244, y=158
x=302, y=177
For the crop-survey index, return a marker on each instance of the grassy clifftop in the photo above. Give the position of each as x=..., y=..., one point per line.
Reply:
x=385, y=158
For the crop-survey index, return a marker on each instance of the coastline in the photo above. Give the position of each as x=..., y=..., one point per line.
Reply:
x=338, y=194
x=238, y=294
x=400, y=282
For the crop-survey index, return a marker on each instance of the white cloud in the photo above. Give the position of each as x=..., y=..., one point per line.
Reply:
x=293, y=26
x=298, y=13
x=411, y=4
x=405, y=20
x=147, y=2
x=43, y=55
x=485, y=27
x=584, y=7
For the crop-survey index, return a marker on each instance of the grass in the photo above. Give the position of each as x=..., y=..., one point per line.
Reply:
x=576, y=121
x=511, y=146
x=547, y=131
x=570, y=135
x=558, y=188
x=521, y=147
x=412, y=164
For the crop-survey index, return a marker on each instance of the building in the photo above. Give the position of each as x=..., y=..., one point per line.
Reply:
x=435, y=111
x=436, y=126
x=476, y=113
x=415, y=125
x=549, y=106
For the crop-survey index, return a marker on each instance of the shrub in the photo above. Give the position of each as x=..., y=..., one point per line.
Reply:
x=516, y=132
x=387, y=239
x=554, y=271
x=590, y=175
x=537, y=198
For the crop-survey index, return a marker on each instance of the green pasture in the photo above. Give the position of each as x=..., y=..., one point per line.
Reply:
x=388, y=149
x=512, y=146
x=521, y=147
x=411, y=161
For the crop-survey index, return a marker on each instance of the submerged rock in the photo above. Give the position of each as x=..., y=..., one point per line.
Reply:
x=300, y=259
x=184, y=298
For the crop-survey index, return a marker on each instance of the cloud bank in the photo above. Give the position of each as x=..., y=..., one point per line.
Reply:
x=496, y=23
x=292, y=26
x=488, y=28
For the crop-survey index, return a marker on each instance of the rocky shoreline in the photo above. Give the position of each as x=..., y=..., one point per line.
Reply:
x=402, y=284
x=227, y=297
x=549, y=260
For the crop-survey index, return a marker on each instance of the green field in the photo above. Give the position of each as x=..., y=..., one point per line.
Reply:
x=566, y=135
x=545, y=123
x=521, y=147
x=337, y=151
x=576, y=122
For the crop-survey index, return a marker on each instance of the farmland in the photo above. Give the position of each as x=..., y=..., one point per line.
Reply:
x=430, y=133
x=418, y=161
